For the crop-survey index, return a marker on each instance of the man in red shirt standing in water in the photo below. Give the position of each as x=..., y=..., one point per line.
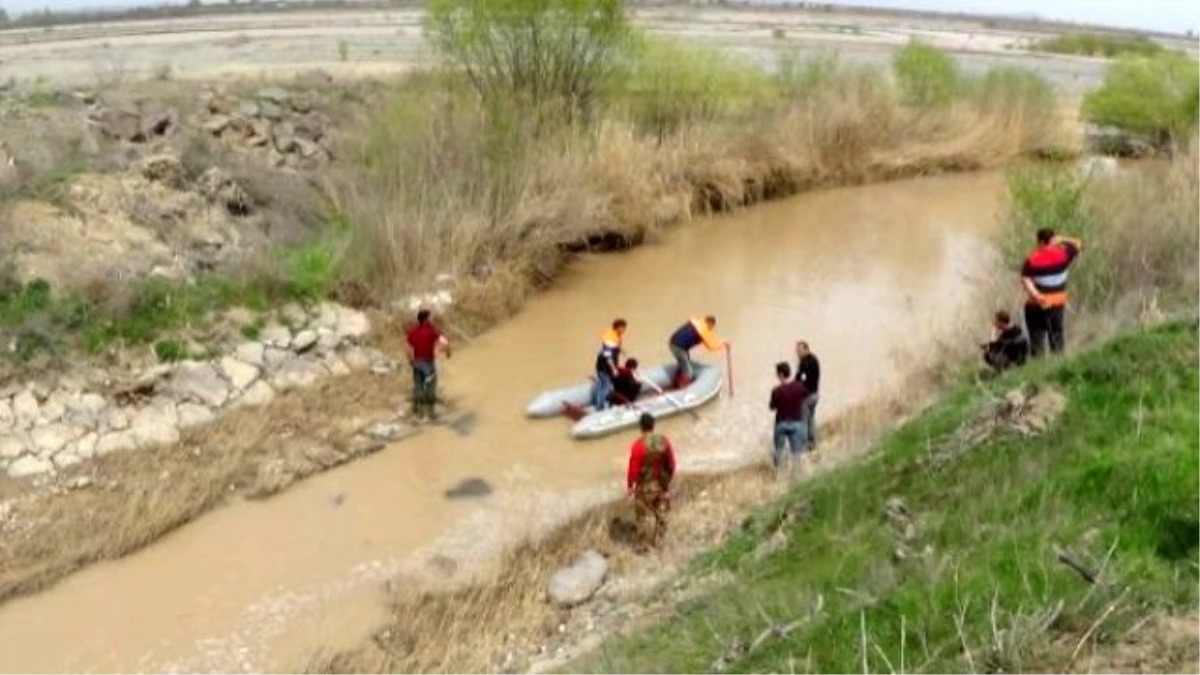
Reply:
x=651, y=468
x=1044, y=278
x=423, y=341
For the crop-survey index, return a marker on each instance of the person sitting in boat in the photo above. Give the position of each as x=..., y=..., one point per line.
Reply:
x=626, y=386
x=611, y=342
x=695, y=332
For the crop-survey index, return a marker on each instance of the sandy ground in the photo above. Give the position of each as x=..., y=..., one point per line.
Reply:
x=372, y=42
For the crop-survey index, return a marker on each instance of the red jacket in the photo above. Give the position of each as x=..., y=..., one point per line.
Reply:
x=662, y=470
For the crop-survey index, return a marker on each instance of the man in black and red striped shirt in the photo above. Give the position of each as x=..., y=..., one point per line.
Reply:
x=1044, y=277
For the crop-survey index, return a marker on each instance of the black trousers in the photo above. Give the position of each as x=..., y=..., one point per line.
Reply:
x=1045, y=324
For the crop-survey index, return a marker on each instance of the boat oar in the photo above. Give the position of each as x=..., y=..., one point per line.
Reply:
x=669, y=398
x=729, y=366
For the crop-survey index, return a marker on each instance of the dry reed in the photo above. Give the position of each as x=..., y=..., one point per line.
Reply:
x=441, y=187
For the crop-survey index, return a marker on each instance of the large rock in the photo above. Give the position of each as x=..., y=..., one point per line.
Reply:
x=327, y=339
x=275, y=336
x=251, y=353
x=217, y=124
x=327, y=315
x=275, y=357
x=25, y=409
x=249, y=109
x=304, y=341
x=357, y=358
x=116, y=419
x=121, y=125
x=200, y=383
x=155, y=425
x=219, y=188
x=13, y=445
x=284, y=136
x=259, y=394
x=165, y=169
x=52, y=410
x=7, y=419
x=274, y=95
x=352, y=324
x=51, y=438
x=335, y=365
x=576, y=584
x=158, y=123
x=85, y=410
x=192, y=415
x=85, y=447
x=66, y=458
x=1115, y=141
x=115, y=442
x=28, y=466
x=239, y=373
x=297, y=373
x=271, y=111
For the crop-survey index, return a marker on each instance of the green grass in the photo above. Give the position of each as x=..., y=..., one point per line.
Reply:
x=1098, y=44
x=1152, y=95
x=38, y=320
x=926, y=76
x=1114, y=481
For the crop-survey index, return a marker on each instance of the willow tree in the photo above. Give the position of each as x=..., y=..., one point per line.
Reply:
x=544, y=54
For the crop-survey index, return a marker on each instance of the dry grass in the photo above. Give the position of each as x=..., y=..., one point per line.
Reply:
x=131, y=502
x=441, y=186
x=502, y=622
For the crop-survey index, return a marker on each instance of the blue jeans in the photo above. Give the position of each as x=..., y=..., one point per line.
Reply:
x=424, y=385
x=683, y=362
x=793, y=434
x=810, y=417
x=603, y=389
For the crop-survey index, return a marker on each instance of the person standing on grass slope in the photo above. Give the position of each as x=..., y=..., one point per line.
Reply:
x=648, y=481
x=787, y=400
x=808, y=373
x=695, y=332
x=1044, y=278
x=611, y=344
x=423, y=340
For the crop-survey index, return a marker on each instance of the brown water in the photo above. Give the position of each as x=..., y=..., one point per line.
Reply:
x=867, y=275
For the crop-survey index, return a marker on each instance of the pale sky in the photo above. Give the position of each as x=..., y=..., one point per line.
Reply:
x=1176, y=16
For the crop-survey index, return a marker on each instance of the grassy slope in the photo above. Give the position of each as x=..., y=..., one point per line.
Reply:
x=1118, y=473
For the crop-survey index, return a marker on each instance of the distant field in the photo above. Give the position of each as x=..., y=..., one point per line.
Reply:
x=356, y=42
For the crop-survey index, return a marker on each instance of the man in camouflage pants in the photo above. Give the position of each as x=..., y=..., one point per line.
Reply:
x=651, y=468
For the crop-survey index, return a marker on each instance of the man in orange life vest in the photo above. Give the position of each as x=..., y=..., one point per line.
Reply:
x=695, y=332
x=648, y=481
x=611, y=343
x=1044, y=278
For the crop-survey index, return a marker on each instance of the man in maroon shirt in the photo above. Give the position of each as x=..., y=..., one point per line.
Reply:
x=423, y=341
x=791, y=429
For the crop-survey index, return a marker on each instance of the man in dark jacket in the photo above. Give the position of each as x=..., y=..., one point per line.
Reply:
x=1009, y=346
x=808, y=373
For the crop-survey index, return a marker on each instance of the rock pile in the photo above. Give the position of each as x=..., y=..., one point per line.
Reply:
x=285, y=125
x=44, y=429
x=122, y=124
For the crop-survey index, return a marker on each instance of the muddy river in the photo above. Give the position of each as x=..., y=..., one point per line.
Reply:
x=867, y=275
